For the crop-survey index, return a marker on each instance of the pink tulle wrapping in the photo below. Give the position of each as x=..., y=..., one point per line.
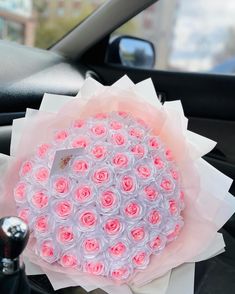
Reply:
x=199, y=228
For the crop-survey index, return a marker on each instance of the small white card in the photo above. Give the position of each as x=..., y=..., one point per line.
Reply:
x=63, y=158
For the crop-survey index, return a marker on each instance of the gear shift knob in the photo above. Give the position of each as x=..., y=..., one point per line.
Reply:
x=14, y=234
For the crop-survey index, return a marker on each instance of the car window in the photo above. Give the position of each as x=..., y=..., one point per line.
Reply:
x=195, y=36
x=40, y=23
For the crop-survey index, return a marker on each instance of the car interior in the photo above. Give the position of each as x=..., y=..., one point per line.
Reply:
x=208, y=100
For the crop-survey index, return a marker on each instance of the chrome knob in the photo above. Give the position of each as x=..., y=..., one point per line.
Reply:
x=14, y=235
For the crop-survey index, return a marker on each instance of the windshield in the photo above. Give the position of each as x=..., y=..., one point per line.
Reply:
x=40, y=23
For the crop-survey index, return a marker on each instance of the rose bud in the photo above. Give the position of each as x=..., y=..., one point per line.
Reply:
x=40, y=199
x=61, y=136
x=65, y=234
x=80, y=142
x=69, y=259
x=24, y=214
x=87, y=219
x=95, y=267
x=118, y=249
x=61, y=186
x=113, y=226
x=167, y=185
x=120, y=271
x=156, y=243
x=99, y=130
x=42, y=224
x=102, y=175
x=41, y=175
x=132, y=210
x=80, y=166
x=127, y=184
x=99, y=151
x=26, y=168
x=108, y=200
x=83, y=193
x=91, y=245
x=43, y=150
x=48, y=251
x=150, y=193
x=140, y=259
x=20, y=192
x=63, y=209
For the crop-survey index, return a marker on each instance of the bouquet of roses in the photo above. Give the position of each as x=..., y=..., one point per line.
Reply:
x=113, y=188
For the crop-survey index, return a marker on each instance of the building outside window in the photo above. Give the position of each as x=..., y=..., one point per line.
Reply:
x=17, y=22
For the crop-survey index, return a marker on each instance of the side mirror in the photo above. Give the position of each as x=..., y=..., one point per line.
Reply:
x=131, y=52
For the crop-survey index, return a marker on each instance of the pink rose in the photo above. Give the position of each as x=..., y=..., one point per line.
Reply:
x=169, y=155
x=155, y=244
x=154, y=217
x=101, y=115
x=138, y=234
x=79, y=123
x=80, y=142
x=132, y=209
x=118, y=249
x=65, y=234
x=83, y=194
x=138, y=150
x=123, y=114
x=63, y=208
x=135, y=132
x=167, y=185
x=159, y=164
x=119, y=273
x=88, y=219
x=26, y=168
x=99, y=151
x=94, y=267
x=43, y=150
x=174, y=174
x=143, y=171
x=24, y=214
x=115, y=125
x=61, y=185
x=127, y=184
x=41, y=224
x=20, y=191
x=151, y=193
x=173, y=207
x=107, y=199
x=101, y=175
x=69, y=260
x=112, y=226
x=61, y=136
x=40, y=199
x=47, y=249
x=42, y=174
x=141, y=122
x=118, y=139
x=174, y=233
x=99, y=130
x=120, y=160
x=140, y=258
x=91, y=245
x=153, y=142
x=80, y=166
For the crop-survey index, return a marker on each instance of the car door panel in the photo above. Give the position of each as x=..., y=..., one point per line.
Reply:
x=25, y=75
